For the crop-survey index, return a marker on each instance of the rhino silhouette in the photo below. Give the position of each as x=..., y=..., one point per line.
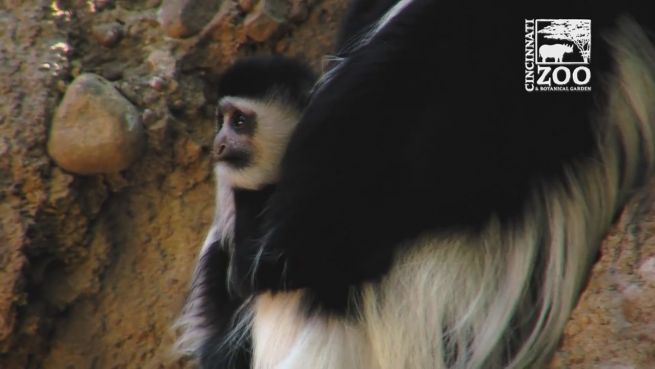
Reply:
x=555, y=51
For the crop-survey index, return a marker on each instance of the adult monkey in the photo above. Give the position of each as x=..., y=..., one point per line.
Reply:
x=430, y=212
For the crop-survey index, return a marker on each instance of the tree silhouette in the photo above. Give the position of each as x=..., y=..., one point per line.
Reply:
x=577, y=31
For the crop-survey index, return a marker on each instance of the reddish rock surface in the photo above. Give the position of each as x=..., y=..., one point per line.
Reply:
x=613, y=326
x=184, y=18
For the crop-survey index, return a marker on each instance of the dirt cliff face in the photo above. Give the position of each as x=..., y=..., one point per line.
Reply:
x=93, y=268
x=613, y=326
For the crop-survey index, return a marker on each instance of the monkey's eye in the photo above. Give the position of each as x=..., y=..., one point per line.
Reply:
x=239, y=119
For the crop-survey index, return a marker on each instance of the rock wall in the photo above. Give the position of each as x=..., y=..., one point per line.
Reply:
x=613, y=326
x=97, y=249
x=94, y=262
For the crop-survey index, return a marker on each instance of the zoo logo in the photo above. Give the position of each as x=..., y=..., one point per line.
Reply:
x=560, y=50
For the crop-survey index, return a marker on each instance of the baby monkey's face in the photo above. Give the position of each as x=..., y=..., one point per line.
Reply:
x=237, y=125
x=251, y=140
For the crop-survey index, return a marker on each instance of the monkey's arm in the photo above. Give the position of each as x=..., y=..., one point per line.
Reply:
x=220, y=305
x=219, y=309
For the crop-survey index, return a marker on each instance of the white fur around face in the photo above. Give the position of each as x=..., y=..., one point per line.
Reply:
x=275, y=122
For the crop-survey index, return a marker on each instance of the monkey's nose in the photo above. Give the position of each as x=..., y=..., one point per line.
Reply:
x=219, y=152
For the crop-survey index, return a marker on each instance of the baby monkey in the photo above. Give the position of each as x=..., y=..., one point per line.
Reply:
x=261, y=101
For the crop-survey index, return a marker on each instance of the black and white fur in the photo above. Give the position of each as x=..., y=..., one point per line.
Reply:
x=429, y=212
x=261, y=102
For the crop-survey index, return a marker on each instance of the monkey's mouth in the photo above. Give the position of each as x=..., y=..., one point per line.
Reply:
x=237, y=159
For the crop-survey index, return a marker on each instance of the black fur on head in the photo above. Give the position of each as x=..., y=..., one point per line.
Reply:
x=261, y=77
